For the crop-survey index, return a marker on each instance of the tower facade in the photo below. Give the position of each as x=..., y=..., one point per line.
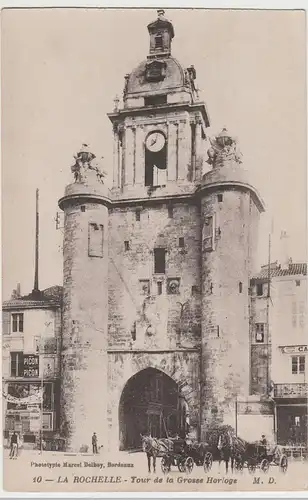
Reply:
x=230, y=210
x=85, y=304
x=165, y=306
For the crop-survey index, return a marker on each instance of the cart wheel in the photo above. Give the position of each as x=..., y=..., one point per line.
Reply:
x=165, y=465
x=251, y=467
x=283, y=464
x=188, y=465
x=181, y=465
x=264, y=466
x=207, y=462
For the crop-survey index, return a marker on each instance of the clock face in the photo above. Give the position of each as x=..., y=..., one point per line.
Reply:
x=155, y=142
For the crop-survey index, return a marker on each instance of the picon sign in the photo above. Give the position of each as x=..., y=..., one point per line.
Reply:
x=31, y=366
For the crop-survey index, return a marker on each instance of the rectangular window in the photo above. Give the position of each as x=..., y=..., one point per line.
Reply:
x=159, y=288
x=259, y=289
x=158, y=42
x=95, y=240
x=83, y=208
x=170, y=212
x=47, y=421
x=259, y=337
x=18, y=322
x=219, y=198
x=155, y=100
x=181, y=242
x=298, y=283
x=126, y=246
x=240, y=287
x=208, y=233
x=138, y=215
x=194, y=290
x=159, y=260
x=17, y=364
x=298, y=365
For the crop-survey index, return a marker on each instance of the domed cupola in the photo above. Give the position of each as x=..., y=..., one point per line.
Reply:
x=160, y=79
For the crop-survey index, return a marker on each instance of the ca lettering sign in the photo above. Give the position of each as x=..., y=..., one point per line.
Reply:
x=294, y=349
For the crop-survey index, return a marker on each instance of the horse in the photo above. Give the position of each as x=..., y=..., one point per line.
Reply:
x=226, y=450
x=154, y=448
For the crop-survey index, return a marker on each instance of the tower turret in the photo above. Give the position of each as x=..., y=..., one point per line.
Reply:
x=230, y=209
x=161, y=33
x=85, y=302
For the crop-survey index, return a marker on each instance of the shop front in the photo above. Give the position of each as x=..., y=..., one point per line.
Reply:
x=292, y=415
x=23, y=405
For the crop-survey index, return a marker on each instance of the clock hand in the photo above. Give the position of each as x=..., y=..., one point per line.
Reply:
x=153, y=142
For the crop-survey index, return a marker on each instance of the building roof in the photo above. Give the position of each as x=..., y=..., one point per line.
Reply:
x=50, y=297
x=294, y=269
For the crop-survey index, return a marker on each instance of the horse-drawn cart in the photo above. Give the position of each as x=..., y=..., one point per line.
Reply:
x=258, y=456
x=184, y=456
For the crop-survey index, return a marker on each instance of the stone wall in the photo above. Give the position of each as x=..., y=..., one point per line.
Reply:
x=225, y=313
x=176, y=316
x=84, y=356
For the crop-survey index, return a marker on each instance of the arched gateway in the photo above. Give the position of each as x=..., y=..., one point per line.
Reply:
x=150, y=402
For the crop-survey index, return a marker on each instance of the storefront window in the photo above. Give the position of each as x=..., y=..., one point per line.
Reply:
x=298, y=364
x=21, y=391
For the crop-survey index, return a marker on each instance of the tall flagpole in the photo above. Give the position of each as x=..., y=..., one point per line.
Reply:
x=36, y=264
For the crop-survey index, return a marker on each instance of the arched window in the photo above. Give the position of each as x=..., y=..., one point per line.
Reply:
x=156, y=159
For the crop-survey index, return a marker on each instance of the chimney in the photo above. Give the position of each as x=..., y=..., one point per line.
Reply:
x=284, y=250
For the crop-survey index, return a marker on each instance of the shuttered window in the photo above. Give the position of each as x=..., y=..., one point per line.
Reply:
x=208, y=234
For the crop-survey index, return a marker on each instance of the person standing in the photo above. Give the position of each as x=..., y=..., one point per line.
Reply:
x=14, y=445
x=94, y=443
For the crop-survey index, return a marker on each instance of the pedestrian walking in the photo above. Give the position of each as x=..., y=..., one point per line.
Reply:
x=94, y=443
x=14, y=445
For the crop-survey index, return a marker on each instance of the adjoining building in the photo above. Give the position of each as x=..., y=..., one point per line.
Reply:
x=31, y=347
x=157, y=269
x=279, y=347
x=31, y=369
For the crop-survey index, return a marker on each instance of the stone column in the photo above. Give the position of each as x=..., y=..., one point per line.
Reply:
x=184, y=149
x=129, y=156
x=139, y=156
x=172, y=151
x=116, y=160
x=197, y=174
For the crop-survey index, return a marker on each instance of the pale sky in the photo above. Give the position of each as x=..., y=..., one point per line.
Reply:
x=61, y=69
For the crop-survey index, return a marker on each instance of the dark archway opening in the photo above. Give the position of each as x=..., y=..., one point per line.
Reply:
x=150, y=402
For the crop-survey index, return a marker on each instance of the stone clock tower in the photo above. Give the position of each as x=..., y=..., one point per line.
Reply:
x=157, y=269
x=159, y=132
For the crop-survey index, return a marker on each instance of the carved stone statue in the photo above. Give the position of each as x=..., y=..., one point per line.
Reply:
x=85, y=161
x=223, y=148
